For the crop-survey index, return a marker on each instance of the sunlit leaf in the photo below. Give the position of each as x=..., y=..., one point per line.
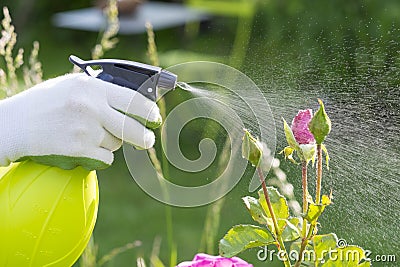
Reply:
x=288, y=153
x=323, y=244
x=242, y=237
x=326, y=200
x=255, y=209
x=350, y=256
x=290, y=231
x=315, y=210
x=278, y=203
x=291, y=140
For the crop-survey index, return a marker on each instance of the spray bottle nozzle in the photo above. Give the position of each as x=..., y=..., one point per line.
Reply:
x=137, y=76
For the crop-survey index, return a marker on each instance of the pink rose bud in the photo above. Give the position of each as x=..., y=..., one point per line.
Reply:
x=300, y=129
x=205, y=260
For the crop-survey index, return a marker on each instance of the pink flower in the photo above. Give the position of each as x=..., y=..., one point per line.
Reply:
x=300, y=129
x=204, y=260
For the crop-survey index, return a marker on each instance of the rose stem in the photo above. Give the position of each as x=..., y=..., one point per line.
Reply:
x=281, y=245
x=319, y=175
x=305, y=240
x=305, y=192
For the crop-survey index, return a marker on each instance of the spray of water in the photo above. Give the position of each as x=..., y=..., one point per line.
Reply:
x=363, y=146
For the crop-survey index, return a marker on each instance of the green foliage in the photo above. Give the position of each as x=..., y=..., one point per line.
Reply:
x=242, y=237
x=288, y=227
x=278, y=202
x=255, y=209
x=324, y=251
x=271, y=210
x=315, y=210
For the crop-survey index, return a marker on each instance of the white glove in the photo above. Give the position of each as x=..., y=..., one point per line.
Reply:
x=74, y=120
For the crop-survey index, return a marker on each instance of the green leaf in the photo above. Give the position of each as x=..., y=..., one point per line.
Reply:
x=291, y=140
x=242, y=237
x=288, y=152
x=320, y=124
x=290, y=231
x=315, y=210
x=313, y=213
x=350, y=256
x=255, y=209
x=323, y=251
x=322, y=244
x=251, y=149
x=326, y=200
x=278, y=203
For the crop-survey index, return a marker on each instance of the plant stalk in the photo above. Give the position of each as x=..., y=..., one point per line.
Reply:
x=306, y=239
x=304, y=243
x=281, y=245
x=319, y=175
x=305, y=194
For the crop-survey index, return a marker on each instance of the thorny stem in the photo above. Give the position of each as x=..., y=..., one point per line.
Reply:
x=305, y=193
x=319, y=175
x=281, y=245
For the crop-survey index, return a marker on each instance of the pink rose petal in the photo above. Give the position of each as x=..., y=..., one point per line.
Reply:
x=300, y=127
x=205, y=260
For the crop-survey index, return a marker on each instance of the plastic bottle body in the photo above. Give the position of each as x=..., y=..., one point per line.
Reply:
x=47, y=214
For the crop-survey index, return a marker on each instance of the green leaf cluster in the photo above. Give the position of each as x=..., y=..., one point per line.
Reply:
x=323, y=251
x=242, y=237
x=271, y=210
x=315, y=210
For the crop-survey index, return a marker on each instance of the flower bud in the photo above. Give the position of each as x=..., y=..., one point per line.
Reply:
x=251, y=148
x=299, y=138
x=320, y=124
x=300, y=129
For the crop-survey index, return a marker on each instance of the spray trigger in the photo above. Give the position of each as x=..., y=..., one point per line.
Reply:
x=134, y=75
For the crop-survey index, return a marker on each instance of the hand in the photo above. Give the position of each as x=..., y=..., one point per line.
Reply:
x=74, y=120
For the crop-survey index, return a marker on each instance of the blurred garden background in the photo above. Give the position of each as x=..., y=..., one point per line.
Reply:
x=344, y=51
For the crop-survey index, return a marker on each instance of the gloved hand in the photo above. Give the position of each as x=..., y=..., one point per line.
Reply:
x=74, y=120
